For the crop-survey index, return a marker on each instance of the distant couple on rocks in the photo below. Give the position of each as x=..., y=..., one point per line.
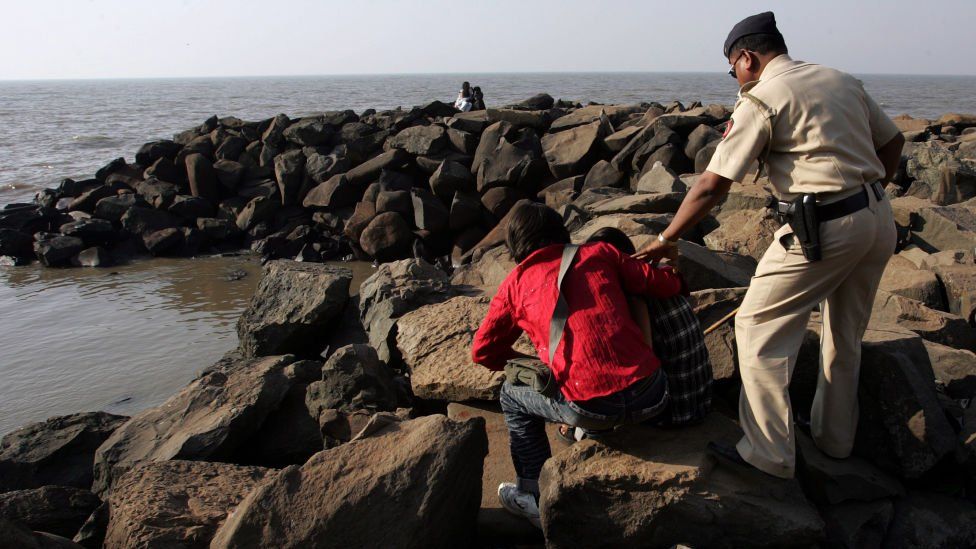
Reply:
x=469, y=99
x=828, y=149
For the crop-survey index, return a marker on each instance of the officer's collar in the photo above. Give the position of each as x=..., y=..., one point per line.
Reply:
x=777, y=66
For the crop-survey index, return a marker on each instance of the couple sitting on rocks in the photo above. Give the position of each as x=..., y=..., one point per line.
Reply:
x=469, y=99
x=586, y=310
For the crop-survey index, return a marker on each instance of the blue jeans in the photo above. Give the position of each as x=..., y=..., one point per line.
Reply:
x=527, y=411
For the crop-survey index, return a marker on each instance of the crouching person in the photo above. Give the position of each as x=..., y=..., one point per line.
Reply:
x=594, y=369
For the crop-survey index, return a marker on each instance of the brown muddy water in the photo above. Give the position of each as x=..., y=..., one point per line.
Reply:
x=119, y=339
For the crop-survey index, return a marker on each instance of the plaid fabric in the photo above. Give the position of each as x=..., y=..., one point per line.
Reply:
x=680, y=345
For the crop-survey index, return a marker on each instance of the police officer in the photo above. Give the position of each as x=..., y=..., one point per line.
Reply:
x=828, y=149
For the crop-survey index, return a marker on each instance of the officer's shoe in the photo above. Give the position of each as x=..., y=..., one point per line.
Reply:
x=729, y=455
x=519, y=502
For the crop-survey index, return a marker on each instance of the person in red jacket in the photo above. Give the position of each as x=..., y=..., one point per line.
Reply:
x=606, y=372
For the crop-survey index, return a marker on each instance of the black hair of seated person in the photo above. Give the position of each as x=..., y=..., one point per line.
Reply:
x=532, y=226
x=614, y=237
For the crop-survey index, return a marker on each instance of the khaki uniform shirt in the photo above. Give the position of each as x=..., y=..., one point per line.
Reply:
x=816, y=127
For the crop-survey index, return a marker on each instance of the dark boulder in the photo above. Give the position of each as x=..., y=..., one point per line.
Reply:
x=574, y=151
x=465, y=211
x=231, y=148
x=449, y=178
x=430, y=466
x=229, y=175
x=310, y=132
x=932, y=520
x=290, y=173
x=189, y=208
x=54, y=250
x=166, y=170
x=273, y=133
x=69, y=188
x=141, y=221
x=59, y=510
x=259, y=210
x=113, y=208
x=164, y=242
x=360, y=218
x=57, y=451
x=87, y=200
x=538, y=102
x=159, y=194
x=603, y=174
x=395, y=201
x=202, y=177
x=699, y=138
x=149, y=153
x=420, y=140
x=320, y=167
x=293, y=303
x=504, y=165
x=429, y=213
x=387, y=237
x=16, y=244
x=500, y=200
x=91, y=231
x=110, y=168
x=338, y=192
x=17, y=536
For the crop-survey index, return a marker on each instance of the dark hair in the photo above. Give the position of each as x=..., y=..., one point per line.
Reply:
x=614, y=237
x=532, y=226
x=761, y=44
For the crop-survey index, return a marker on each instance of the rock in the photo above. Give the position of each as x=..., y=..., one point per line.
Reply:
x=291, y=307
x=465, y=212
x=704, y=269
x=229, y=175
x=176, y=503
x=86, y=201
x=18, y=536
x=495, y=524
x=353, y=379
x=393, y=290
x=462, y=141
x=435, y=342
x=930, y=324
x=95, y=256
x=487, y=272
x=711, y=306
x=959, y=282
x=429, y=213
x=309, y=131
x=939, y=176
x=159, y=194
x=59, y=510
x=190, y=208
x=367, y=172
x=110, y=168
x=16, y=244
x=491, y=136
x=935, y=228
x=603, y=174
x=672, y=157
x=395, y=201
x=338, y=192
x=472, y=121
x=203, y=177
x=502, y=166
x=538, y=102
x=141, y=221
x=662, y=136
x=832, y=481
x=902, y=427
x=744, y=232
x=616, y=141
x=905, y=279
x=217, y=229
x=636, y=203
x=574, y=151
x=112, y=208
x=538, y=120
x=57, y=451
x=290, y=173
x=357, y=223
x=387, y=237
x=451, y=178
x=653, y=488
x=932, y=520
x=699, y=138
x=164, y=241
x=55, y=250
x=614, y=114
x=209, y=420
x=273, y=133
x=258, y=210
x=320, y=167
x=420, y=140
x=660, y=180
x=500, y=200
x=430, y=466
x=149, y=153
x=857, y=523
x=953, y=368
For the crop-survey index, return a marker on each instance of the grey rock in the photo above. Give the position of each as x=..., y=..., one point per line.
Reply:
x=58, y=510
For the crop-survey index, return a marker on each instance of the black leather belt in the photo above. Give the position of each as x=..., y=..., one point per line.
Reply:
x=835, y=210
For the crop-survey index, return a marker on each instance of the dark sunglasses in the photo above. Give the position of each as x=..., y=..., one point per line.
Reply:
x=732, y=70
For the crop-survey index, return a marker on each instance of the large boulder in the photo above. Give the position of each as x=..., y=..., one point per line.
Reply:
x=353, y=378
x=435, y=342
x=395, y=289
x=18, y=536
x=203, y=177
x=451, y=178
x=209, y=420
x=420, y=140
x=486, y=272
x=59, y=510
x=176, y=503
x=904, y=278
x=858, y=523
x=937, y=228
x=387, y=237
x=310, y=131
x=504, y=165
x=939, y=176
x=427, y=473
x=335, y=193
x=574, y=151
x=636, y=203
x=959, y=282
x=368, y=171
x=830, y=481
x=141, y=221
x=55, y=250
x=955, y=369
x=711, y=306
x=743, y=232
x=289, y=170
x=57, y=451
x=937, y=326
x=704, y=269
x=291, y=307
x=657, y=488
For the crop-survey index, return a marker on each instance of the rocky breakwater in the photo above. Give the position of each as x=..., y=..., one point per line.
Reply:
x=361, y=421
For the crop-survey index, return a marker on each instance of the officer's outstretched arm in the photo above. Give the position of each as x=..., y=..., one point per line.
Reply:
x=708, y=191
x=890, y=155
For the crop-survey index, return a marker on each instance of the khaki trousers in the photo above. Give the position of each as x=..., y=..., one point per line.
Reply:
x=771, y=325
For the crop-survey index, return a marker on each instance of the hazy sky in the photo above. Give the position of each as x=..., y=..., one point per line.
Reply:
x=141, y=38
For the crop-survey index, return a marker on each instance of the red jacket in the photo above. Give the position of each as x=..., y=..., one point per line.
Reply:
x=602, y=350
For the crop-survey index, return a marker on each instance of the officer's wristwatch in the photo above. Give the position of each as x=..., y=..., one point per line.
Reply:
x=666, y=242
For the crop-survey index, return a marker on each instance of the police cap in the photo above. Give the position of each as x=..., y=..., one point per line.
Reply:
x=761, y=23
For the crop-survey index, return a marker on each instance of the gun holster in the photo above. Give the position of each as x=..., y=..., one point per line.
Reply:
x=806, y=226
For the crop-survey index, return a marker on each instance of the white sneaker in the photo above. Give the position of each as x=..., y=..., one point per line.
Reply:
x=519, y=503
